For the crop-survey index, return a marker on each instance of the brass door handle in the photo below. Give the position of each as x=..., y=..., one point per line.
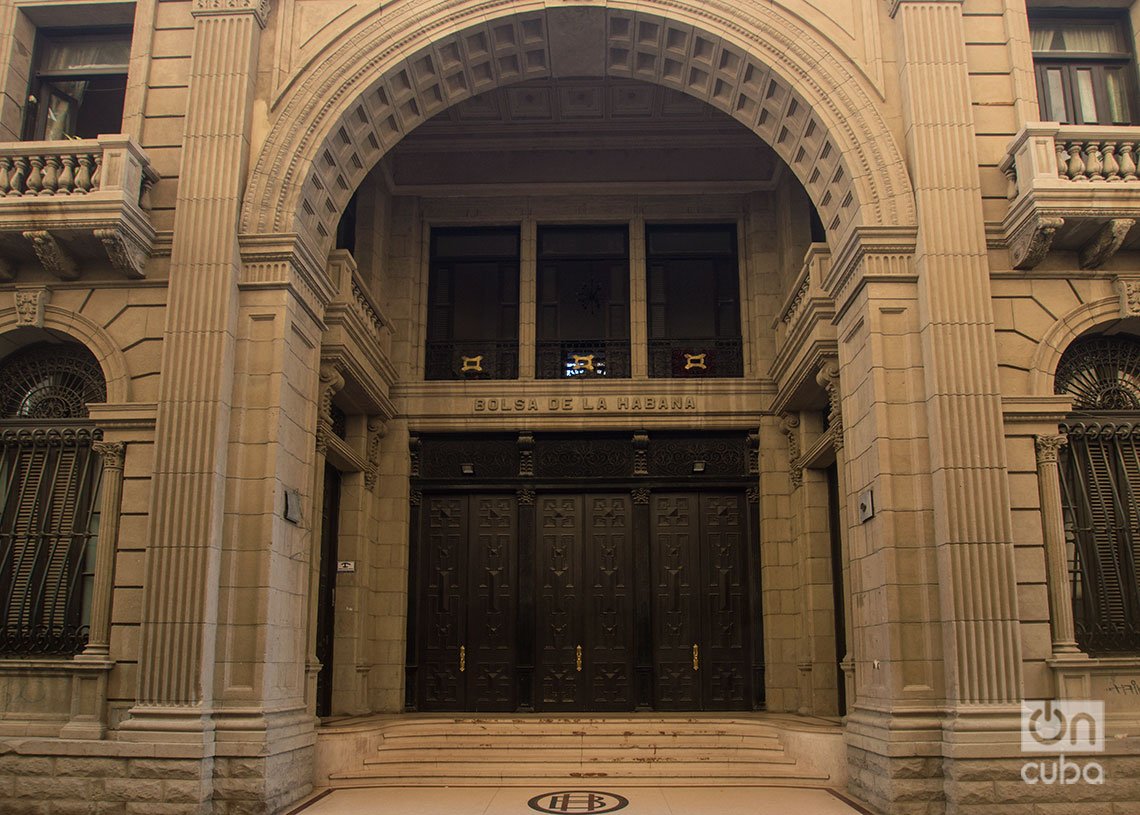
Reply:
x=578, y=659
x=462, y=659
x=696, y=657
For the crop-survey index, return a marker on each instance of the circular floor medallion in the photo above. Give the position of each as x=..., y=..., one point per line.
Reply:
x=580, y=801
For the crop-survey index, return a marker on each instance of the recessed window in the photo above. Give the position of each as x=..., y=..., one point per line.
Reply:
x=1084, y=70
x=583, y=302
x=79, y=84
x=694, y=301
x=473, y=304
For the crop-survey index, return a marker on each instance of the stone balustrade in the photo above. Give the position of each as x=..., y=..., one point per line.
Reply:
x=1052, y=153
x=805, y=294
x=75, y=168
x=1067, y=182
x=68, y=198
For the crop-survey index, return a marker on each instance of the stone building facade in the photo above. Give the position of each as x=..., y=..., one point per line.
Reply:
x=235, y=380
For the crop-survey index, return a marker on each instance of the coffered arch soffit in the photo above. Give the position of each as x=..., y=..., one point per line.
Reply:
x=389, y=73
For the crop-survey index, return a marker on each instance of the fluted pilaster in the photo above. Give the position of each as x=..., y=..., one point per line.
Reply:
x=195, y=393
x=1056, y=559
x=110, y=500
x=972, y=516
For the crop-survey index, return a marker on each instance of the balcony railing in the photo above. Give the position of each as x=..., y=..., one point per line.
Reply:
x=69, y=200
x=472, y=359
x=1071, y=187
x=582, y=359
x=696, y=357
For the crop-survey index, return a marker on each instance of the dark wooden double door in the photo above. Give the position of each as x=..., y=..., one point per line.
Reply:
x=584, y=601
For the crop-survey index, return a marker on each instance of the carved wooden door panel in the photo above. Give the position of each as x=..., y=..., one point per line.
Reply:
x=491, y=605
x=700, y=602
x=609, y=609
x=468, y=603
x=559, y=683
x=676, y=580
x=724, y=652
x=442, y=599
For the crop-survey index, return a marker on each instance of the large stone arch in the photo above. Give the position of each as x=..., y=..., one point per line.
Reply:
x=389, y=73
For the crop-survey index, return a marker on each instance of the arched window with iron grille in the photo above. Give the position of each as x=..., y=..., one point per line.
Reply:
x=1100, y=477
x=49, y=483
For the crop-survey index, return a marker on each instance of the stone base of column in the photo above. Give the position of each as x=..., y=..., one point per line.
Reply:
x=895, y=760
x=263, y=759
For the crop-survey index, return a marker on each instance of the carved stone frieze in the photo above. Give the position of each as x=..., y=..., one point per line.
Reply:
x=52, y=256
x=1129, y=291
x=126, y=254
x=1029, y=245
x=1106, y=243
x=30, y=306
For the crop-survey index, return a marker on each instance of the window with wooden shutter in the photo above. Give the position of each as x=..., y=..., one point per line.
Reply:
x=49, y=485
x=1100, y=474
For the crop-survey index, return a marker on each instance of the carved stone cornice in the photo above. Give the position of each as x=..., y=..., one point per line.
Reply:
x=127, y=254
x=112, y=453
x=1029, y=245
x=1105, y=243
x=1048, y=448
x=30, y=303
x=870, y=254
x=52, y=256
x=213, y=8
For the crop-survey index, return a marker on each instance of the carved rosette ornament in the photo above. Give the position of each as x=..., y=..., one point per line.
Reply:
x=1105, y=243
x=377, y=430
x=828, y=378
x=1129, y=291
x=1031, y=243
x=789, y=426
x=30, y=306
x=1048, y=448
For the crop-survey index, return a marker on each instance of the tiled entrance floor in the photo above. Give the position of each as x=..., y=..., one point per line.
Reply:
x=514, y=801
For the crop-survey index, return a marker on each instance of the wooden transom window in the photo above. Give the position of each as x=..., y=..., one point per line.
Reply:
x=1084, y=69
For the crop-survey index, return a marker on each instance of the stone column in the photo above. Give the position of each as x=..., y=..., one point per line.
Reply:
x=972, y=521
x=179, y=614
x=1056, y=558
x=112, y=454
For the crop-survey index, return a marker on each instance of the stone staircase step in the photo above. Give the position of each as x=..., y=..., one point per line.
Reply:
x=540, y=754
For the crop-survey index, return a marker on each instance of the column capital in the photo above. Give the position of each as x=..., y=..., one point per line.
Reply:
x=215, y=8
x=893, y=6
x=1048, y=447
x=111, y=452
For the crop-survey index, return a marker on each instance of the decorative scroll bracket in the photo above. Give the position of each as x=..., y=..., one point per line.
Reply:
x=1029, y=245
x=52, y=256
x=128, y=256
x=1106, y=243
